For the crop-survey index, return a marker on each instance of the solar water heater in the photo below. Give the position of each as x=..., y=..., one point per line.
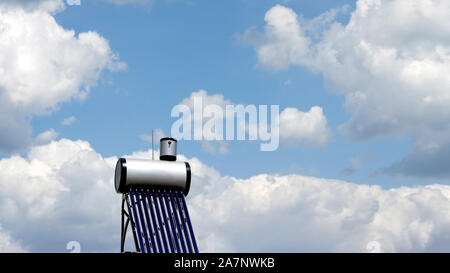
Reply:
x=153, y=202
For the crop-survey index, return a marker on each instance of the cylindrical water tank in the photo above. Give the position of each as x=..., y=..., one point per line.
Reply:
x=168, y=149
x=153, y=173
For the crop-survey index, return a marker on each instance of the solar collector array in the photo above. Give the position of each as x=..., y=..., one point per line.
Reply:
x=160, y=221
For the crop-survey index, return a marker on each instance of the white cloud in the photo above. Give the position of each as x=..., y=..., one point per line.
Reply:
x=60, y=192
x=309, y=126
x=298, y=213
x=63, y=191
x=295, y=125
x=45, y=137
x=69, y=121
x=287, y=45
x=209, y=146
x=207, y=99
x=391, y=61
x=43, y=65
x=7, y=244
x=51, y=6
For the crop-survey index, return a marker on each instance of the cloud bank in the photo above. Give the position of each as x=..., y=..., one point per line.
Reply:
x=63, y=191
x=393, y=73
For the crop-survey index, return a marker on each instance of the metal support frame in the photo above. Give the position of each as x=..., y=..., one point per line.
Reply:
x=125, y=223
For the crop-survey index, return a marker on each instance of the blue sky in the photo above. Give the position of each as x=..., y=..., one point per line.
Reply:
x=173, y=49
x=370, y=77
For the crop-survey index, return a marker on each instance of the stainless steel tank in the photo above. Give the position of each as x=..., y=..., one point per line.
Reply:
x=152, y=173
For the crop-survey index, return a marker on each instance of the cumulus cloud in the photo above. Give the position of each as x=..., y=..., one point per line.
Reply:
x=43, y=65
x=431, y=162
x=310, y=126
x=214, y=145
x=393, y=72
x=63, y=191
x=295, y=126
x=45, y=137
x=298, y=213
x=286, y=43
x=60, y=192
